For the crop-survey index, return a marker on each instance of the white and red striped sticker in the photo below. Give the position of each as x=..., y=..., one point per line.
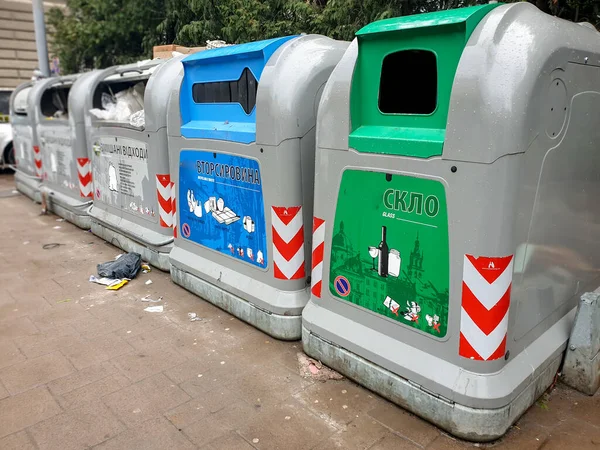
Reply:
x=288, y=242
x=37, y=159
x=174, y=208
x=486, y=290
x=318, y=245
x=84, y=172
x=165, y=204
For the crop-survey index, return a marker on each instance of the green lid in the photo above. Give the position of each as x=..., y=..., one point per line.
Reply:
x=428, y=48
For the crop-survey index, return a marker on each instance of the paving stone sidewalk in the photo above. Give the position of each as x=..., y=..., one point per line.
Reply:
x=83, y=367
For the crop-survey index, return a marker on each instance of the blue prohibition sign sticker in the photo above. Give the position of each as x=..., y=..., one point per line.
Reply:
x=185, y=229
x=342, y=286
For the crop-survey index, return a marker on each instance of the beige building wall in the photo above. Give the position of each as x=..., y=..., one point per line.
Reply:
x=18, y=56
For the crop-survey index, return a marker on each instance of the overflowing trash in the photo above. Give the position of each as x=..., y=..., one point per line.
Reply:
x=126, y=266
x=124, y=106
x=138, y=119
x=216, y=44
x=60, y=115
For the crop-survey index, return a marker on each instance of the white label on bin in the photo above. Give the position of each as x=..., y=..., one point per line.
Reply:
x=57, y=155
x=22, y=144
x=120, y=174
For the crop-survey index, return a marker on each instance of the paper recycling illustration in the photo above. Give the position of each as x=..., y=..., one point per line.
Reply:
x=220, y=212
x=222, y=204
x=193, y=204
x=248, y=224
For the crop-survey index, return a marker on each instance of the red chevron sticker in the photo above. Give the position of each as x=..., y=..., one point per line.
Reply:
x=318, y=246
x=165, y=203
x=288, y=242
x=486, y=290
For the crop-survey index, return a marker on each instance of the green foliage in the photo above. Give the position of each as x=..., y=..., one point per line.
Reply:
x=101, y=33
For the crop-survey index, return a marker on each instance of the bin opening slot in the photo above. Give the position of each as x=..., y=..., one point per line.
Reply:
x=408, y=83
x=54, y=102
x=242, y=91
x=120, y=100
x=20, y=101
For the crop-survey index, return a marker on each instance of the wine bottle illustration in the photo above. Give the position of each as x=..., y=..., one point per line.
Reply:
x=382, y=263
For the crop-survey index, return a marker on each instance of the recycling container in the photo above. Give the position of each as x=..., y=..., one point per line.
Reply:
x=65, y=184
x=28, y=175
x=456, y=210
x=130, y=166
x=241, y=141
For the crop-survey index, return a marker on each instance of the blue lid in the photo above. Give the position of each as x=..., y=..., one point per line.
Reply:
x=218, y=92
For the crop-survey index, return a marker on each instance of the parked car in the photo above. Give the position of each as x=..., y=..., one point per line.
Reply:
x=7, y=154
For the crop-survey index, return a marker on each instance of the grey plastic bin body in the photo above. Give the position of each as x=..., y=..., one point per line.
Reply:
x=66, y=180
x=240, y=241
x=27, y=175
x=518, y=181
x=130, y=164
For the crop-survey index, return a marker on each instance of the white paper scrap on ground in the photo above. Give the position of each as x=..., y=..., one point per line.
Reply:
x=154, y=308
x=106, y=281
x=193, y=317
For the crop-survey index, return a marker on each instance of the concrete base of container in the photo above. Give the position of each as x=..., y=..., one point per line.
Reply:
x=157, y=257
x=473, y=424
x=68, y=208
x=471, y=404
x=286, y=328
x=28, y=185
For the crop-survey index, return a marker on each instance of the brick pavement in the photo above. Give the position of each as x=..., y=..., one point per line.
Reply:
x=82, y=367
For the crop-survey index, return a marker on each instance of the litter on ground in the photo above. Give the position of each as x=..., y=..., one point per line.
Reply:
x=112, y=284
x=311, y=368
x=148, y=299
x=193, y=317
x=154, y=308
x=125, y=266
x=119, y=285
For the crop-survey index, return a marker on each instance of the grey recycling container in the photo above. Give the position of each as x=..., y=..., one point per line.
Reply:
x=66, y=178
x=28, y=175
x=241, y=141
x=456, y=210
x=130, y=166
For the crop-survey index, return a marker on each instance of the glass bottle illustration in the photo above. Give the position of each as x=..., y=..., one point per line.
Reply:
x=382, y=263
x=373, y=253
